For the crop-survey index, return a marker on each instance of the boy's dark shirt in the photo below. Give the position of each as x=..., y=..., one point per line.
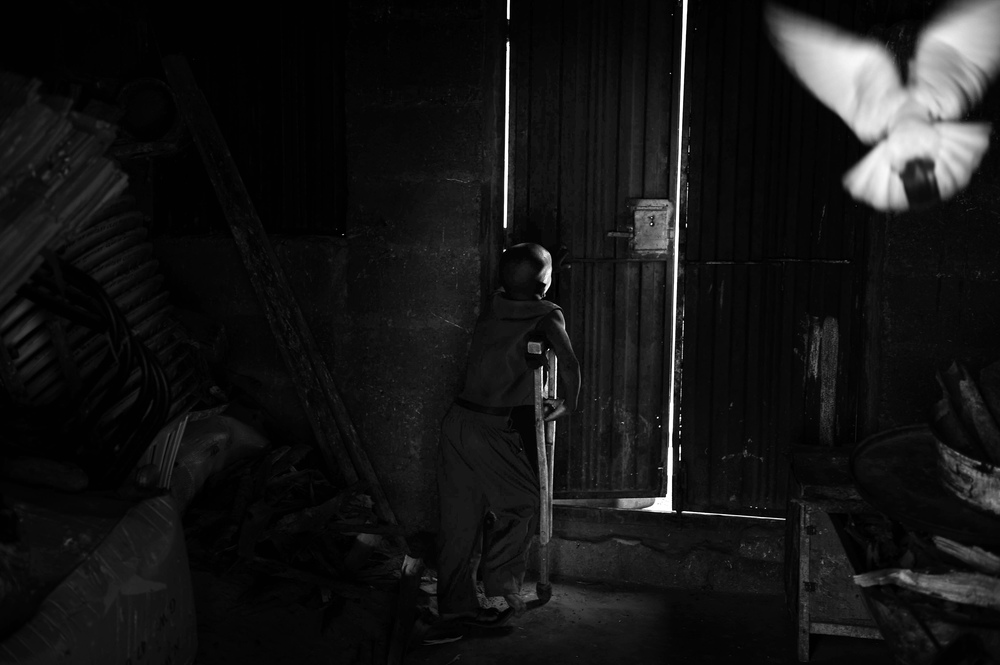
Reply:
x=497, y=374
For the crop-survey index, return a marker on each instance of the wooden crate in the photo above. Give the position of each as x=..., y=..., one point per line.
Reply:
x=821, y=592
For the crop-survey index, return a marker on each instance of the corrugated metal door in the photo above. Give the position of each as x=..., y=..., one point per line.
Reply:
x=772, y=266
x=594, y=84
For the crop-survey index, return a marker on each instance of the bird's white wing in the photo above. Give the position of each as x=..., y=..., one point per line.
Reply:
x=962, y=147
x=956, y=57
x=959, y=149
x=873, y=181
x=855, y=77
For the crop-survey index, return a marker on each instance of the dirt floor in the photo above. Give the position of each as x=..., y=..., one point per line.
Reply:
x=582, y=623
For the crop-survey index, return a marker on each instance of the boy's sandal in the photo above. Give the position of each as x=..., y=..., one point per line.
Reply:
x=443, y=634
x=489, y=618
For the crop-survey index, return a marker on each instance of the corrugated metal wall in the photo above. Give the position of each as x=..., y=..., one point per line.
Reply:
x=594, y=119
x=772, y=266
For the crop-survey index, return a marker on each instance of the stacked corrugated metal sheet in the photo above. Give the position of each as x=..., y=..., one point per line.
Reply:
x=88, y=347
x=53, y=174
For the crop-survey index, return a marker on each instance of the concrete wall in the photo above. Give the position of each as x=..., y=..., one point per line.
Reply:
x=393, y=303
x=711, y=553
x=414, y=130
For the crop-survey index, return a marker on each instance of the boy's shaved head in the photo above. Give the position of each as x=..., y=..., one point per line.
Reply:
x=526, y=270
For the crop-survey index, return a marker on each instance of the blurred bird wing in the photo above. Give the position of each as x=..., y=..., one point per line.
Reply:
x=873, y=181
x=856, y=78
x=956, y=57
x=961, y=150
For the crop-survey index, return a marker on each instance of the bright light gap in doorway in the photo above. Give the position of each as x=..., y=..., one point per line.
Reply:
x=506, y=119
x=663, y=504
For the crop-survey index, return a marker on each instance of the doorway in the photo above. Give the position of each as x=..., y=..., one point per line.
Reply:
x=588, y=138
x=706, y=362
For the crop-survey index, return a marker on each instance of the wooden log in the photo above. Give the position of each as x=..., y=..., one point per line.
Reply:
x=315, y=386
x=966, y=588
x=989, y=386
x=972, y=413
x=972, y=556
x=979, y=415
x=948, y=428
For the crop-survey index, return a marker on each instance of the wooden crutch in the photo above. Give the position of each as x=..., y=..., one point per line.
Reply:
x=546, y=379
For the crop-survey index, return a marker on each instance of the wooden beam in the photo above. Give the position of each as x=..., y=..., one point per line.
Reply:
x=314, y=384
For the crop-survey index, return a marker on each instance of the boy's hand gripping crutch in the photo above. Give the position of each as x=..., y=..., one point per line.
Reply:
x=545, y=363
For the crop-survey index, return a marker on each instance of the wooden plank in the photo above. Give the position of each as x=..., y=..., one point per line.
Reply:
x=802, y=593
x=315, y=386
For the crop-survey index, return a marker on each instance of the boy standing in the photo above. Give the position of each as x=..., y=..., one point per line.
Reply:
x=482, y=465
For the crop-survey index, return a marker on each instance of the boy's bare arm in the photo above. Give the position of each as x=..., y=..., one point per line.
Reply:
x=554, y=328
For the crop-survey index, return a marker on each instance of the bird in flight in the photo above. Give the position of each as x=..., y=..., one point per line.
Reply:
x=922, y=152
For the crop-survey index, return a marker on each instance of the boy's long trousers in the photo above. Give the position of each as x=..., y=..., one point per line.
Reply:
x=482, y=467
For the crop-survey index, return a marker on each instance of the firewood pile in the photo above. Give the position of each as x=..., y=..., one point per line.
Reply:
x=936, y=600
x=938, y=567
x=967, y=415
x=278, y=514
x=274, y=538
x=951, y=583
